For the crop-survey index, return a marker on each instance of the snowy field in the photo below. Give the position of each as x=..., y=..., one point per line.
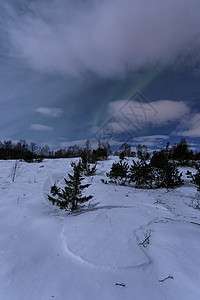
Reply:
x=46, y=253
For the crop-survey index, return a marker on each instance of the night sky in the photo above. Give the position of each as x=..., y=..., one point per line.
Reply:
x=119, y=70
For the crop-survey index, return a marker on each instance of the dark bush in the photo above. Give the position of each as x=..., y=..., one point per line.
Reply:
x=141, y=174
x=119, y=173
x=195, y=178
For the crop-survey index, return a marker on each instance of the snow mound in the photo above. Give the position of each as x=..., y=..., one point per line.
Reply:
x=100, y=242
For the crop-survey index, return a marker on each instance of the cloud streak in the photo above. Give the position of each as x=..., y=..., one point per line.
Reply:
x=49, y=111
x=107, y=37
x=40, y=127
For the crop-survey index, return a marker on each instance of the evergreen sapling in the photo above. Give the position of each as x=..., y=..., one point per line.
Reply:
x=70, y=196
x=195, y=178
x=142, y=174
x=119, y=173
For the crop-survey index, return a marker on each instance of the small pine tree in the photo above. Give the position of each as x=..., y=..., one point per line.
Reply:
x=160, y=158
x=101, y=153
x=168, y=176
x=90, y=170
x=122, y=155
x=195, y=178
x=119, y=173
x=142, y=174
x=166, y=172
x=126, y=148
x=29, y=157
x=86, y=168
x=142, y=153
x=182, y=153
x=71, y=194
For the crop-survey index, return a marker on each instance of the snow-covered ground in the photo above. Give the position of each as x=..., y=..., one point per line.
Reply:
x=46, y=253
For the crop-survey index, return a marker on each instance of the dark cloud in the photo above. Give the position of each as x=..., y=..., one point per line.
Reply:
x=107, y=37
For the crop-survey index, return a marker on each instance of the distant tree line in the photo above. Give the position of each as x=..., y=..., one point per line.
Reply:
x=19, y=150
x=180, y=152
x=33, y=153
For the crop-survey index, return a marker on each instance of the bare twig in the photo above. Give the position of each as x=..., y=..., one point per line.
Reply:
x=158, y=201
x=195, y=223
x=145, y=242
x=168, y=277
x=194, y=203
x=15, y=170
x=120, y=284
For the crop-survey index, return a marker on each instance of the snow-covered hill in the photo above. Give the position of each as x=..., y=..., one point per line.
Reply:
x=46, y=253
